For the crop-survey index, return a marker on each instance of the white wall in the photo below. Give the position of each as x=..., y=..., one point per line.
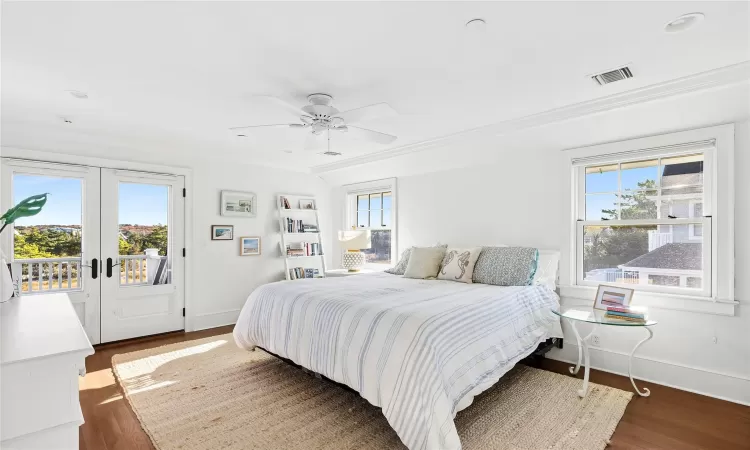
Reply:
x=516, y=196
x=223, y=279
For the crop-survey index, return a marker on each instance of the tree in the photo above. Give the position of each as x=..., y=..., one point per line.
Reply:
x=611, y=246
x=158, y=238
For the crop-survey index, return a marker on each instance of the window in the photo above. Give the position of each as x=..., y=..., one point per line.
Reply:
x=371, y=206
x=374, y=213
x=640, y=220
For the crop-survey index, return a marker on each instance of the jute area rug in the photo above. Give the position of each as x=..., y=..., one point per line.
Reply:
x=209, y=394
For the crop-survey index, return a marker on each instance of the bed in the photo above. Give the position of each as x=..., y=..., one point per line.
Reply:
x=418, y=349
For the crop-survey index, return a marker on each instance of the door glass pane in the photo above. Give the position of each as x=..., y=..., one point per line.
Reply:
x=144, y=234
x=47, y=246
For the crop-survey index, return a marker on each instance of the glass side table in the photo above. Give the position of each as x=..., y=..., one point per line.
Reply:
x=596, y=317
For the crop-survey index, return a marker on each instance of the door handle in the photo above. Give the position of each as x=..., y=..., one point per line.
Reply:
x=109, y=267
x=94, y=268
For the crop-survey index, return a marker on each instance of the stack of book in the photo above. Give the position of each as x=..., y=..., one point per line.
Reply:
x=625, y=313
x=303, y=249
x=298, y=273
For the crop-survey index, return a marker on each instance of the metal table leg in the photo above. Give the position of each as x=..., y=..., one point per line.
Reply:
x=645, y=392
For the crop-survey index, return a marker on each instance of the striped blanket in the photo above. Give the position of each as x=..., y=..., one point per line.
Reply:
x=419, y=349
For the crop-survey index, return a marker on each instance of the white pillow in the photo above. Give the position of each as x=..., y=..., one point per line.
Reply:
x=424, y=262
x=458, y=264
x=546, y=268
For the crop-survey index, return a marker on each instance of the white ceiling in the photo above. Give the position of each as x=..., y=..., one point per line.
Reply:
x=166, y=79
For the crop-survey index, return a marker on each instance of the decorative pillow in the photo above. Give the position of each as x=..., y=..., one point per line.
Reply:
x=424, y=262
x=458, y=264
x=400, y=267
x=506, y=266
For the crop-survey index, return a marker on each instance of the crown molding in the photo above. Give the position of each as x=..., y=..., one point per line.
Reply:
x=721, y=77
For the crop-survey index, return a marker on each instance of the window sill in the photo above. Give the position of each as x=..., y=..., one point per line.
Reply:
x=584, y=295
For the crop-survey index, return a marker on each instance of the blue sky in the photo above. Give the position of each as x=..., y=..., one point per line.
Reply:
x=606, y=182
x=141, y=204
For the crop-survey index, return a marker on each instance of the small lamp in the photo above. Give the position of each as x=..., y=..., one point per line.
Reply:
x=352, y=242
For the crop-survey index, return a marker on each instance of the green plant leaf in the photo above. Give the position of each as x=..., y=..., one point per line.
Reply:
x=26, y=208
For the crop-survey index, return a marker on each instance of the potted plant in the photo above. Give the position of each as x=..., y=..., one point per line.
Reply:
x=26, y=208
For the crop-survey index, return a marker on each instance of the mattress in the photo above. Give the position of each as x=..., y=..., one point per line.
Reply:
x=419, y=349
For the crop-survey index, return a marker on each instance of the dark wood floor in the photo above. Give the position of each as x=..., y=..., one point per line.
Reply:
x=669, y=419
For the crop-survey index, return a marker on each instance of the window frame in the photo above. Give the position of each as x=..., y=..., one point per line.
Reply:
x=718, y=206
x=352, y=191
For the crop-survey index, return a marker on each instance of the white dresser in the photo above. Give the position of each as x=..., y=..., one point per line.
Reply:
x=43, y=349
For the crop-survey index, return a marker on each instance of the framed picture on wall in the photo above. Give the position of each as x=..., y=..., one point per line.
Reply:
x=607, y=296
x=222, y=232
x=249, y=246
x=238, y=204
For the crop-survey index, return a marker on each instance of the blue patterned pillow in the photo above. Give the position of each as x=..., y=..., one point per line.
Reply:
x=506, y=266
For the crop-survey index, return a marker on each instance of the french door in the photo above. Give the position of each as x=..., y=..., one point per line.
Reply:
x=111, y=239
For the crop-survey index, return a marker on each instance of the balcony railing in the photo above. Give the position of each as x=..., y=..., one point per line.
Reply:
x=64, y=274
x=47, y=274
x=657, y=239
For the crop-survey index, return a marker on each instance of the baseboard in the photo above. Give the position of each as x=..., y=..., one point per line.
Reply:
x=722, y=386
x=215, y=319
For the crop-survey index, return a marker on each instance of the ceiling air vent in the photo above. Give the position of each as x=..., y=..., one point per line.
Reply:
x=613, y=75
x=332, y=153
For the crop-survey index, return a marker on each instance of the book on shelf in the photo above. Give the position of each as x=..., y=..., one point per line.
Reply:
x=299, y=273
x=303, y=249
x=285, y=203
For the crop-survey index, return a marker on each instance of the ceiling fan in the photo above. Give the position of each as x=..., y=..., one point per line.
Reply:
x=319, y=116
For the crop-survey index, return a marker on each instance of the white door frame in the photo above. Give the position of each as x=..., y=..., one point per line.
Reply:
x=87, y=298
x=61, y=158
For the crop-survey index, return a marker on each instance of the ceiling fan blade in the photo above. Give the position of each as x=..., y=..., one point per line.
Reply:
x=367, y=112
x=288, y=107
x=278, y=125
x=370, y=135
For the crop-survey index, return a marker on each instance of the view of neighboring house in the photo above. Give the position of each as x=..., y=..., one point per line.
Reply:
x=675, y=252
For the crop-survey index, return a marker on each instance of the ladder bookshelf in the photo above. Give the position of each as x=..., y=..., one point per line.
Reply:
x=292, y=234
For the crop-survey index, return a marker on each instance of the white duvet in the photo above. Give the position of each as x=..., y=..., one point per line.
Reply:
x=419, y=349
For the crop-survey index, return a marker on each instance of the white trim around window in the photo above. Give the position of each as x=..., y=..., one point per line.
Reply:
x=717, y=145
x=351, y=191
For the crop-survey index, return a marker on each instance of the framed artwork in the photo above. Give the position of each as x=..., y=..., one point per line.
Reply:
x=249, y=246
x=607, y=296
x=307, y=204
x=238, y=204
x=222, y=232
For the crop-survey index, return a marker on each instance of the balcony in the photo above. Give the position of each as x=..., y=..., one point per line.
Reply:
x=45, y=275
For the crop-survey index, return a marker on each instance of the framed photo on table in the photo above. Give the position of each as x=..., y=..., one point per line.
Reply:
x=607, y=296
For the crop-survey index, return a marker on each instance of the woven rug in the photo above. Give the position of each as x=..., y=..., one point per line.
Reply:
x=209, y=394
